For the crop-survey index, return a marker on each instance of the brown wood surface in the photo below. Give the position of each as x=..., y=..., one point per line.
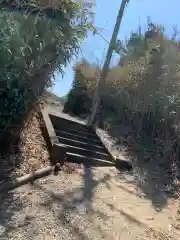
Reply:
x=11, y=185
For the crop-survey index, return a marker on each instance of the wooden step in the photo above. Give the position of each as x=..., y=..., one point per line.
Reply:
x=81, y=144
x=61, y=123
x=93, y=162
x=85, y=152
x=73, y=136
x=79, y=133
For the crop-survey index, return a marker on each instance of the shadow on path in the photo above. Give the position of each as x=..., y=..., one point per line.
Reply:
x=152, y=173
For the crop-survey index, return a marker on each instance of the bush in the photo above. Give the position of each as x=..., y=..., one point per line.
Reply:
x=32, y=47
x=143, y=89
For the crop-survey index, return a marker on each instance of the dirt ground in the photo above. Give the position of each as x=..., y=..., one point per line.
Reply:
x=120, y=205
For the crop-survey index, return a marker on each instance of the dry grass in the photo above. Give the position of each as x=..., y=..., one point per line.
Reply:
x=33, y=150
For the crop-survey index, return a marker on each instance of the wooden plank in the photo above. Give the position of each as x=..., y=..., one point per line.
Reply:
x=49, y=127
x=93, y=162
x=121, y=165
x=60, y=123
x=85, y=152
x=79, y=133
x=73, y=136
x=93, y=147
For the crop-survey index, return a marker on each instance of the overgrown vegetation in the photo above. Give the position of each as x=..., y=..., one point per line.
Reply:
x=142, y=91
x=35, y=40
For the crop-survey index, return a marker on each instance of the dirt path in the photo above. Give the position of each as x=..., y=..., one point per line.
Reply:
x=120, y=208
x=52, y=209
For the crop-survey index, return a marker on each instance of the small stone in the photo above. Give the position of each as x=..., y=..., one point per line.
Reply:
x=129, y=178
x=170, y=227
x=2, y=229
x=150, y=218
x=81, y=209
x=177, y=226
x=158, y=209
x=45, y=157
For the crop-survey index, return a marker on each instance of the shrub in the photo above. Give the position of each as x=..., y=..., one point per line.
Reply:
x=32, y=47
x=143, y=89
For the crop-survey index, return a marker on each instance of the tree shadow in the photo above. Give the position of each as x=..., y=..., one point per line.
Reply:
x=75, y=207
x=11, y=159
x=67, y=208
x=129, y=217
x=9, y=203
x=83, y=194
x=152, y=174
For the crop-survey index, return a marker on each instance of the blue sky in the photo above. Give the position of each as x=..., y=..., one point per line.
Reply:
x=94, y=48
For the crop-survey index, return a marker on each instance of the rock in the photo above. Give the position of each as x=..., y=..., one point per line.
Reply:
x=170, y=227
x=158, y=210
x=129, y=178
x=150, y=218
x=177, y=226
x=45, y=157
x=2, y=229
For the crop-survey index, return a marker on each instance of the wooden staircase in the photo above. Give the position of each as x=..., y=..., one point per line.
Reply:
x=73, y=141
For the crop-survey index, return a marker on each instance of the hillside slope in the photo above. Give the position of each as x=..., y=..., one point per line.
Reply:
x=53, y=99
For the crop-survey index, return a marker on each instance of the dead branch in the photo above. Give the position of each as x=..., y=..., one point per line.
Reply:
x=11, y=185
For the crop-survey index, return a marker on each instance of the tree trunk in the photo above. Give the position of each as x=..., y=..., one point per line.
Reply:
x=105, y=68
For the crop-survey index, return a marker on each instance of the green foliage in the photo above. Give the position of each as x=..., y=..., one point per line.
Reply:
x=32, y=47
x=144, y=88
x=78, y=101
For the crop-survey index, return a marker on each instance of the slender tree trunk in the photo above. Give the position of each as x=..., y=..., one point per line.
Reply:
x=105, y=68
